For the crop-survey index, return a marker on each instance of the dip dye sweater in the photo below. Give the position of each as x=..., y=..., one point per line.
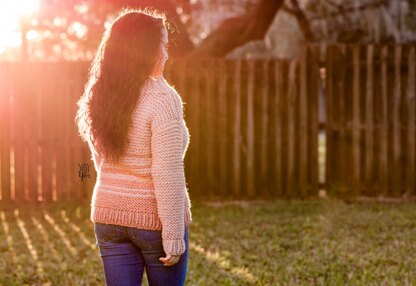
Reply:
x=147, y=189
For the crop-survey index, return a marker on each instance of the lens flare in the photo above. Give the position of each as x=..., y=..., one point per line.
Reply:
x=11, y=13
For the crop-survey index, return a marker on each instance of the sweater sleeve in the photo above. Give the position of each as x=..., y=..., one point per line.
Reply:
x=168, y=171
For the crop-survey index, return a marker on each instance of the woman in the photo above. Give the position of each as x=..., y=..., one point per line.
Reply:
x=133, y=122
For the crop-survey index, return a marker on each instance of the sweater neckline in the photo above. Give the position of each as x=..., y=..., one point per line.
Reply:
x=154, y=83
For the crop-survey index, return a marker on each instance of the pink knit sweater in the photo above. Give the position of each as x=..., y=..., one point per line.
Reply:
x=147, y=189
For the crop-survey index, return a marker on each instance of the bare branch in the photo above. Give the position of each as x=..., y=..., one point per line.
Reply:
x=375, y=4
x=302, y=20
x=239, y=30
x=341, y=10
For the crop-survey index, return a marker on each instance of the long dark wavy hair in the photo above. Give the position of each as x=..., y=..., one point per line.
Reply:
x=126, y=56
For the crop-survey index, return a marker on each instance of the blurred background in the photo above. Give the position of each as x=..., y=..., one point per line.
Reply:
x=53, y=30
x=298, y=111
x=275, y=91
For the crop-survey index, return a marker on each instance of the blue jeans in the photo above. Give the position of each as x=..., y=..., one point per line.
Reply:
x=127, y=251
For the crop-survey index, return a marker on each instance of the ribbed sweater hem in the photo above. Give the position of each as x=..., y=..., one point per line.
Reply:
x=131, y=219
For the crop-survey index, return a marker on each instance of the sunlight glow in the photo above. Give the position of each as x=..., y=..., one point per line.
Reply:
x=79, y=29
x=11, y=13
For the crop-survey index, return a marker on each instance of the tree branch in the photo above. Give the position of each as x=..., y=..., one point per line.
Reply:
x=237, y=31
x=302, y=21
x=347, y=10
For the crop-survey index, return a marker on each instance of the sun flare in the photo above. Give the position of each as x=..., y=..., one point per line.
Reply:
x=11, y=13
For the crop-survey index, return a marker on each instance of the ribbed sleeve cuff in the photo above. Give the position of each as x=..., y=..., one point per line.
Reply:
x=174, y=246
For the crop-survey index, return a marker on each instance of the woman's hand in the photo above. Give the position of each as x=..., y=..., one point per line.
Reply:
x=170, y=260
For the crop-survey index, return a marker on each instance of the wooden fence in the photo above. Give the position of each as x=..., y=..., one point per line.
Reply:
x=253, y=123
x=253, y=126
x=370, y=99
x=40, y=150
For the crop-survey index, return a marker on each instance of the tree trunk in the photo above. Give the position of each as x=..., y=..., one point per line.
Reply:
x=237, y=31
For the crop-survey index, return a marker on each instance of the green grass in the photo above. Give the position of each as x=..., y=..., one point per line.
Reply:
x=315, y=242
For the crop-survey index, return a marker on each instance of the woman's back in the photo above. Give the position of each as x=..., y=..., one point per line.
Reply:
x=135, y=128
x=147, y=189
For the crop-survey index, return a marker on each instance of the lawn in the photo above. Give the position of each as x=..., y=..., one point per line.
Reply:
x=315, y=242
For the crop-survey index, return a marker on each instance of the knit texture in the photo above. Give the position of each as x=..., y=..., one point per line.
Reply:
x=147, y=189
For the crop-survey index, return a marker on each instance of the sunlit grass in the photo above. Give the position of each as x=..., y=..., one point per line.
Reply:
x=8, y=239
x=78, y=231
x=323, y=242
x=61, y=233
x=28, y=240
x=46, y=239
x=221, y=261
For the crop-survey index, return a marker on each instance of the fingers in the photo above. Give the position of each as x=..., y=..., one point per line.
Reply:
x=170, y=260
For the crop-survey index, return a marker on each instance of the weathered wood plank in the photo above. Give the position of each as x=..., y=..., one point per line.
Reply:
x=45, y=134
x=329, y=91
x=278, y=78
x=291, y=102
x=411, y=146
x=396, y=119
x=222, y=124
x=250, y=130
x=303, y=121
x=210, y=134
x=18, y=122
x=264, y=159
x=384, y=166
x=369, y=133
x=5, y=89
x=33, y=139
x=194, y=92
x=313, y=120
x=340, y=101
x=237, y=136
x=356, y=123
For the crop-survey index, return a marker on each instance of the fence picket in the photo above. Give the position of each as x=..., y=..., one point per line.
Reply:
x=411, y=131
